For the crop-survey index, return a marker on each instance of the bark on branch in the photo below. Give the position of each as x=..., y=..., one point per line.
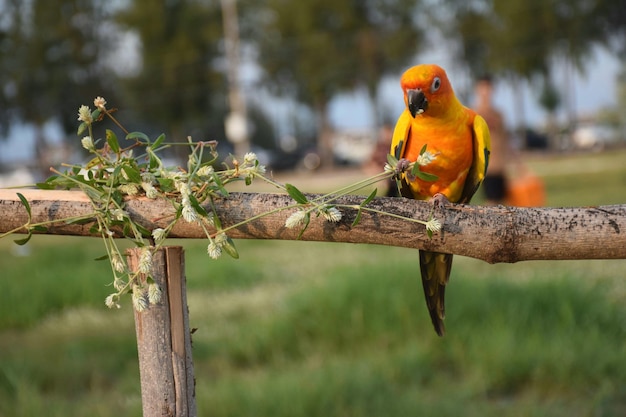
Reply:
x=493, y=234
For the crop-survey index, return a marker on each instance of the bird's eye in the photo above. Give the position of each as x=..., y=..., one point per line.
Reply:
x=435, y=85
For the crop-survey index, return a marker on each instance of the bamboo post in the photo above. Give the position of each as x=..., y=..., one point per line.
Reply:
x=164, y=340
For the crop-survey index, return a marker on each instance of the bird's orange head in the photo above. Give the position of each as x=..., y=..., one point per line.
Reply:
x=427, y=90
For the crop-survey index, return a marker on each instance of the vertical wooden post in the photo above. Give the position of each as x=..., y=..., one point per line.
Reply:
x=164, y=340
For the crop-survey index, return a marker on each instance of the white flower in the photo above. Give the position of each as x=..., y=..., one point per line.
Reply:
x=129, y=189
x=332, y=214
x=158, y=235
x=148, y=177
x=118, y=214
x=87, y=143
x=258, y=169
x=208, y=221
x=117, y=262
x=388, y=169
x=221, y=239
x=189, y=213
x=183, y=188
x=145, y=261
x=84, y=114
x=119, y=283
x=139, y=298
x=426, y=158
x=99, y=102
x=171, y=175
x=112, y=301
x=433, y=225
x=249, y=158
x=296, y=219
x=154, y=293
x=206, y=171
x=151, y=192
x=214, y=250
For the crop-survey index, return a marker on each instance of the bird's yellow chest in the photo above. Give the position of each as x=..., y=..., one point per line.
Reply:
x=449, y=156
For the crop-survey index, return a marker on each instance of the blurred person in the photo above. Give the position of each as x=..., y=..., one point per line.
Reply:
x=495, y=182
x=509, y=180
x=378, y=159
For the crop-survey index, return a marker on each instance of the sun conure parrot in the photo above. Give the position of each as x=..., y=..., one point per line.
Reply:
x=457, y=153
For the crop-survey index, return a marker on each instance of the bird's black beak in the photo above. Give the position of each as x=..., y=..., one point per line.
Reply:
x=417, y=101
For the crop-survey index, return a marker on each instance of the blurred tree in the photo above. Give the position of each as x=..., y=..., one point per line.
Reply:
x=50, y=61
x=550, y=99
x=180, y=85
x=520, y=39
x=314, y=50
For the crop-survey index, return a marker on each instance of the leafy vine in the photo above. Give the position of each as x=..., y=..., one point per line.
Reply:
x=121, y=170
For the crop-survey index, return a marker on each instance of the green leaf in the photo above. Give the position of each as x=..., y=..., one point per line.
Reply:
x=112, y=141
x=357, y=219
x=392, y=160
x=92, y=163
x=138, y=135
x=229, y=247
x=219, y=184
x=416, y=169
x=166, y=184
x=296, y=194
x=399, y=149
x=307, y=220
x=399, y=186
x=158, y=141
x=40, y=229
x=93, y=194
x=425, y=176
x=79, y=221
x=132, y=174
x=155, y=162
x=144, y=232
x=26, y=205
x=24, y=241
x=48, y=184
x=369, y=198
x=81, y=128
x=102, y=258
x=216, y=221
x=196, y=205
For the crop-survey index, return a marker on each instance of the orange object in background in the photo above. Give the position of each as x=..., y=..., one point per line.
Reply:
x=526, y=190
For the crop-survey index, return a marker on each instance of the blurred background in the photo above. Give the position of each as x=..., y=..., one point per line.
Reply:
x=316, y=78
x=299, y=328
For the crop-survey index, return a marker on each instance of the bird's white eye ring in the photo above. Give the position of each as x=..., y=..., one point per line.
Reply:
x=435, y=85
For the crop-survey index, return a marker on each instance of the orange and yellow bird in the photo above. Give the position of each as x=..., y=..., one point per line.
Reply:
x=455, y=161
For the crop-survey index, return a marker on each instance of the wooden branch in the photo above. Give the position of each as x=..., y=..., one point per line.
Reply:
x=493, y=234
x=164, y=340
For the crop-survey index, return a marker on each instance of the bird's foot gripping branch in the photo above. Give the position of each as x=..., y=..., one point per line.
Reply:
x=120, y=170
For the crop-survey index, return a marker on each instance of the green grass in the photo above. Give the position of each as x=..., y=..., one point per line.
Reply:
x=313, y=329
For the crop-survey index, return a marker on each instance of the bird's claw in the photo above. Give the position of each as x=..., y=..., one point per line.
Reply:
x=439, y=200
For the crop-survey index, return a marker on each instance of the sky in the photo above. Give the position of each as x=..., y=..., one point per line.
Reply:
x=592, y=91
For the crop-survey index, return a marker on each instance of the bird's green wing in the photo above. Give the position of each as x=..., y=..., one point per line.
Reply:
x=400, y=135
x=482, y=146
x=399, y=140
